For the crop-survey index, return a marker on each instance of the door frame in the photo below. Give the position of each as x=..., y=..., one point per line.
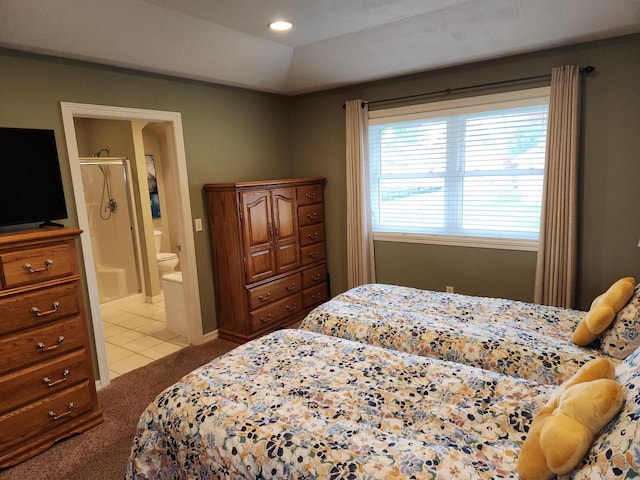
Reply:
x=175, y=142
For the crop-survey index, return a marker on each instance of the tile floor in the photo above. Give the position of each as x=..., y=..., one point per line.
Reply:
x=136, y=336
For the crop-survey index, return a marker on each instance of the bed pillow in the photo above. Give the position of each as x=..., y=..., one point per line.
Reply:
x=563, y=431
x=603, y=311
x=623, y=336
x=615, y=452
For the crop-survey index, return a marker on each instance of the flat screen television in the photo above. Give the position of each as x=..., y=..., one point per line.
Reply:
x=30, y=181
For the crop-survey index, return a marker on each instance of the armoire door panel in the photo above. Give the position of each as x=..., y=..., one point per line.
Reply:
x=287, y=257
x=257, y=218
x=260, y=265
x=285, y=212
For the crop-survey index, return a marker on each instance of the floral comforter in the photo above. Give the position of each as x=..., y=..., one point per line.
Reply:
x=511, y=337
x=300, y=405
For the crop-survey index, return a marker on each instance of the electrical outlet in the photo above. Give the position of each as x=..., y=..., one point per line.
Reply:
x=198, y=224
x=449, y=289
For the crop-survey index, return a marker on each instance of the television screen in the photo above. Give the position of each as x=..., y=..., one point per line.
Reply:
x=30, y=181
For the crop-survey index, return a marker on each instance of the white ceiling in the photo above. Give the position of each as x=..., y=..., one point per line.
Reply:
x=333, y=43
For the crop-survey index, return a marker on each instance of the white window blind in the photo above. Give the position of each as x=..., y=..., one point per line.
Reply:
x=470, y=168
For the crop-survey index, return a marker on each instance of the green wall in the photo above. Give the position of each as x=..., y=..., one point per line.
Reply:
x=230, y=134
x=609, y=225
x=234, y=134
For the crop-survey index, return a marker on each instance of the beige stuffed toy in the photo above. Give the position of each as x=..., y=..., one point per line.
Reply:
x=563, y=431
x=603, y=310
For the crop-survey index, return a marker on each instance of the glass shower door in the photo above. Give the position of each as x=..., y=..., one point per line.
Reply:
x=112, y=226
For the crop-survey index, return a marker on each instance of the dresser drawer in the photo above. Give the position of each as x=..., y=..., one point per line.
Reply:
x=315, y=295
x=44, y=415
x=308, y=194
x=314, y=276
x=273, y=313
x=37, y=345
x=272, y=291
x=312, y=253
x=310, y=214
x=24, y=267
x=312, y=234
x=26, y=385
x=35, y=308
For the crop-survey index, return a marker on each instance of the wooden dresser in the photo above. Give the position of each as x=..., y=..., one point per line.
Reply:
x=47, y=386
x=268, y=253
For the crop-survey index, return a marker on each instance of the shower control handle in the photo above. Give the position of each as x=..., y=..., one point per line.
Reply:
x=29, y=268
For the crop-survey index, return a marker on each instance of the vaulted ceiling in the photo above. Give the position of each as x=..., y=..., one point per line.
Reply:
x=333, y=42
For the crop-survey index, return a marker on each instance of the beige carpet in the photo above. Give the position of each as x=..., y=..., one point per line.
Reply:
x=102, y=452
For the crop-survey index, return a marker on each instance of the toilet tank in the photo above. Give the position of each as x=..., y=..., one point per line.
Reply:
x=157, y=238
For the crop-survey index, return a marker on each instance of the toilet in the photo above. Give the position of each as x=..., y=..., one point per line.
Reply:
x=166, y=262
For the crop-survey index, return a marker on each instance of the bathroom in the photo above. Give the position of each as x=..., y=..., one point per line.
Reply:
x=128, y=190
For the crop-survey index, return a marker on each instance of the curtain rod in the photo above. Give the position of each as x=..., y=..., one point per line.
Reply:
x=449, y=91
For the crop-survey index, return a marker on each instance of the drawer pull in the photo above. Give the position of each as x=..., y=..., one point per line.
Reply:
x=51, y=383
x=291, y=308
x=55, y=416
x=42, y=347
x=30, y=269
x=36, y=311
x=313, y=235
x=315, y=277
x=315, y=254
x=316, y=296
x=312, y=216
x=311, y=195
x=265, y=320
x=265, y=298
x=291, y=288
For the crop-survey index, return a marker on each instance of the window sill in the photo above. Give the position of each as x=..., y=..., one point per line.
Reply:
x=459, y=241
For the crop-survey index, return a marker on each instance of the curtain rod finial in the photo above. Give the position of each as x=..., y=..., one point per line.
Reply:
x=588, y=69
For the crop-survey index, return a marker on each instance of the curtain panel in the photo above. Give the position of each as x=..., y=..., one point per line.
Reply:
x=556, y=269
x=360, y=255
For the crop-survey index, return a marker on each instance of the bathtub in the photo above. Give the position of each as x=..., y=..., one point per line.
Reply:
x=112, y=282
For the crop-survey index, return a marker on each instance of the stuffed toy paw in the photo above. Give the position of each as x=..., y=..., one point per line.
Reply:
x=563, y=431
x=603, y=310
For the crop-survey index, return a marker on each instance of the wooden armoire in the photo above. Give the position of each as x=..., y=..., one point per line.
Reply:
x=268, y=253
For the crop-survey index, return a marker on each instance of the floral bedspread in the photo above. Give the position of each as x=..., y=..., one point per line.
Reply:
x=515, y=338
x=300, y=405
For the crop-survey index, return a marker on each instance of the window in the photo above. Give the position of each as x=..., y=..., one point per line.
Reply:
x=466, y=172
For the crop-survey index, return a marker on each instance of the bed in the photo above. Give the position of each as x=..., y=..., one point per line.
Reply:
x=301, y=405
x=511, y=337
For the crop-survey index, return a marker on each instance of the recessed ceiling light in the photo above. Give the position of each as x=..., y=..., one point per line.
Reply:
x=280, y=25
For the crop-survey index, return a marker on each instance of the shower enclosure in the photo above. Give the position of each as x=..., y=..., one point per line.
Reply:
x=113, y=226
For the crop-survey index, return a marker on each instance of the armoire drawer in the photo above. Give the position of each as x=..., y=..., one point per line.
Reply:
x=308, y=194
x=37, y=307
x=314, y=276
x=315, y=295
x=34, y=265
x=272, y=291
x=312, y=234
x=310, y=214
x=39, y=344
x=275, y=312
x=49, y=377
x=312, y=253
x=46, y=414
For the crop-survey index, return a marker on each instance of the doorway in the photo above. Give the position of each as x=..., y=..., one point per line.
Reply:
x=182, y=233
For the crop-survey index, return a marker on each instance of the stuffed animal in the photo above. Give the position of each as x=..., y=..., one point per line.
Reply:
x=603, y=310
x=564, y=429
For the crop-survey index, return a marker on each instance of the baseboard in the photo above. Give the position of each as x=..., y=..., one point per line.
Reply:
x=207, y=337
